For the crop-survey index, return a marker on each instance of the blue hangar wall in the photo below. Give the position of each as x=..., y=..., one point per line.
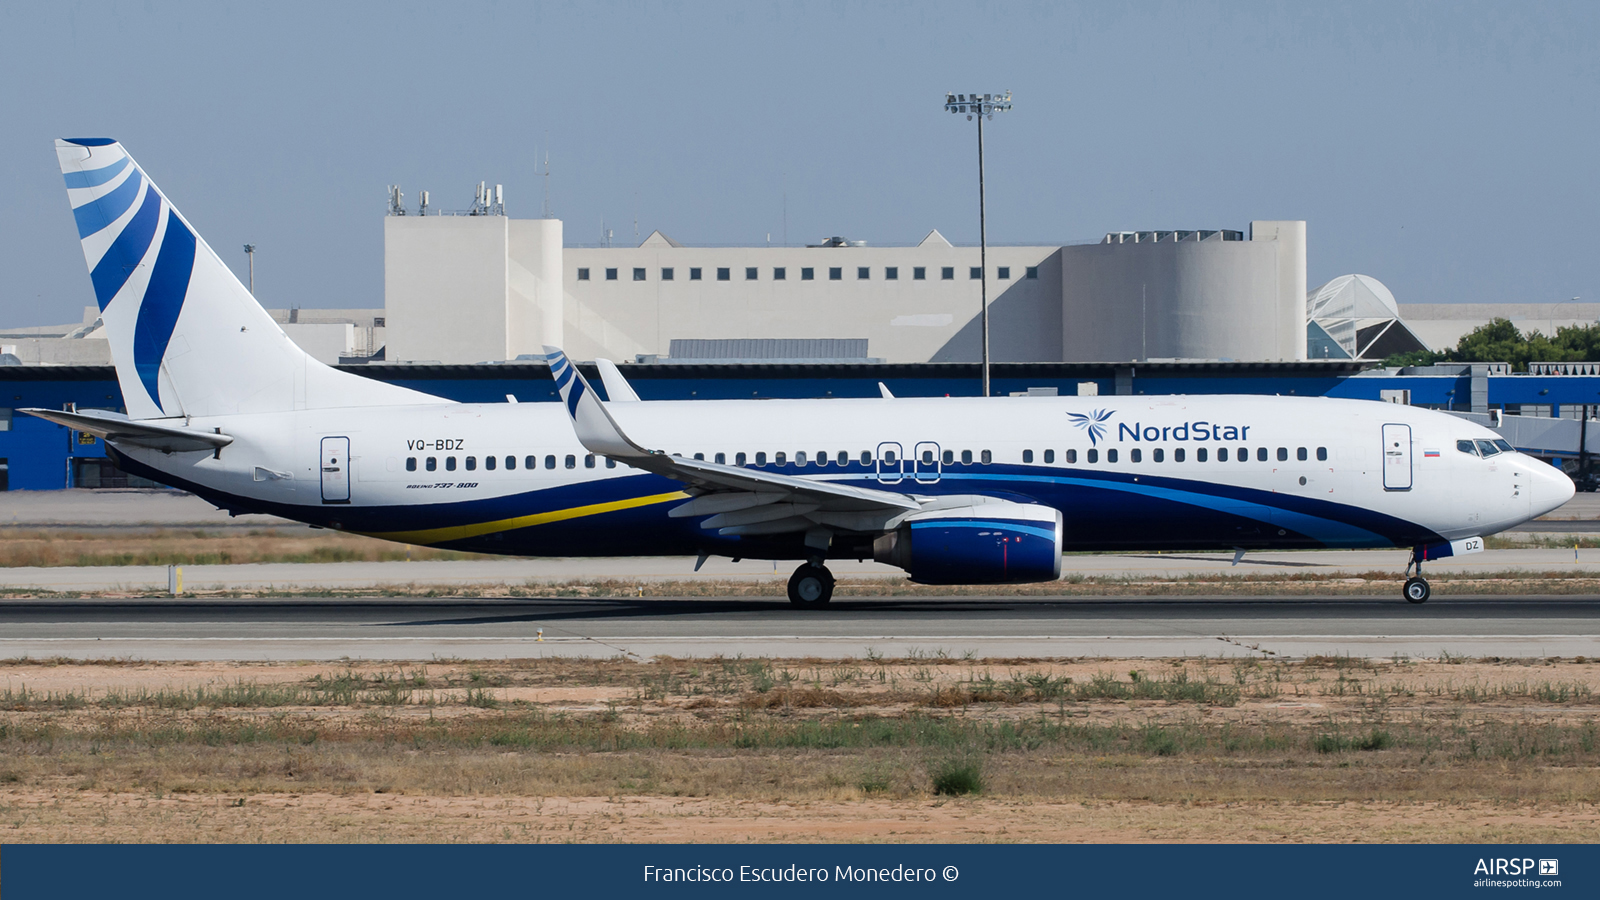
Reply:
x=38, y=455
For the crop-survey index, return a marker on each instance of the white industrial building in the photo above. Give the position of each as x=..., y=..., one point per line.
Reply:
x=484, y=287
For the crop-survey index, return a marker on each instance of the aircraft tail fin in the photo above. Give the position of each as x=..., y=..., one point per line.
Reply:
x=186, y=337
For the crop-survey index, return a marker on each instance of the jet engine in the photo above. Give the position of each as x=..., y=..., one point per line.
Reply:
x=999, y=542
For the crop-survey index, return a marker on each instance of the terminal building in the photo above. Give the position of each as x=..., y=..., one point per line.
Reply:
x=471, y=299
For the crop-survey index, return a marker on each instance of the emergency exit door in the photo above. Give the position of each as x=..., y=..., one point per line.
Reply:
x=1397, y=457
x=335, y=470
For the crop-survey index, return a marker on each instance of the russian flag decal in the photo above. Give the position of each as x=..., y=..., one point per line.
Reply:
x=1430, y=453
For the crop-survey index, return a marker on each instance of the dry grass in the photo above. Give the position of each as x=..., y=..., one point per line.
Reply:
x=1325, y=749
x=198, y=547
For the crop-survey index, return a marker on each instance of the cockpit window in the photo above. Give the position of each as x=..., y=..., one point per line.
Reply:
x=1467, y=447
x=1487, y=448
x=1505, y=446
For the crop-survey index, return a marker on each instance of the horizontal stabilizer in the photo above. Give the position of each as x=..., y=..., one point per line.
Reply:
x=118, y=429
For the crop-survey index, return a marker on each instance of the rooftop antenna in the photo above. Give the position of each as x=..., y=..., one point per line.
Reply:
x=499, y=202
x=547, y=178
x=423, y=210
x=396, y=208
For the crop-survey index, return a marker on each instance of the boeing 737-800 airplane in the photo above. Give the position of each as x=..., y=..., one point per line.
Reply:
x=955, y=491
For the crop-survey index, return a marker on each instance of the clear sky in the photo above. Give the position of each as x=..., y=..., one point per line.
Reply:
x=1448, y=149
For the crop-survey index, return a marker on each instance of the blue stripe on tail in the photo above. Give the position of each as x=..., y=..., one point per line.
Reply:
x=163, y=300
x=97, y=214
x=95, y=177
x=116, y=267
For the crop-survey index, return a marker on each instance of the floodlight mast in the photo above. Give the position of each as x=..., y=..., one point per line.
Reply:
x=982, y=106
x=250, y=251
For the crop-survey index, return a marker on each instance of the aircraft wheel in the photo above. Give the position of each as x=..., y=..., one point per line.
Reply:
x=1417, y=590
x=811, y=587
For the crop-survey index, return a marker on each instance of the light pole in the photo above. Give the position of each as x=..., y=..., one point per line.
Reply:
x=250, y=251
x=981, y=106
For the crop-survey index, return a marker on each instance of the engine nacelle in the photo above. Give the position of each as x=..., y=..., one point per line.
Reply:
x=1000, y=542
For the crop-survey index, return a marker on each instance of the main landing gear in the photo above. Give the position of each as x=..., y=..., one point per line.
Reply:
x=811, y=586
x=1416, y=589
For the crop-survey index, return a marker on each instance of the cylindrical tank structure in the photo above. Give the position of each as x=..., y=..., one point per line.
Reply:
x=1186, y=294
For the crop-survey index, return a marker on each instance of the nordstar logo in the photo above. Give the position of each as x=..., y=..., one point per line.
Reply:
x=1093, y=422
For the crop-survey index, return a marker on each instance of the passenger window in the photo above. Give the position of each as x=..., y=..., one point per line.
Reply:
x=927, y=457
x=1072, y=457
x=550, y=462
x=949, y=457
x=700, y=456
x=1049, y=456
x=1222, y=454
x=844, y=458
x=988, y=457
x=588, y=461
x=511, y=463
x=1093, y=455
x=1261, y=454
x=611, y=463
x=761, y=458
x=1504, y=445
x=866, y=457
x=449, y=463
x=1027, y=456
x=572, y=461
x=1283, y=454
x=1487, y=448
x=1111, y=456
x=411, y=464
x=889, y=458
x=739, y=458
x=780, y=458
x=1136, y=455
x=490, y=462
x=1177, y=454
x=530, y=462
x=433, y=463
x=1158, y=454
x=472, y=464
x=800, y=457
x=1244, y=454
x=720, y=459
x=966, y=457
x=1300, y=454
x=1200, y=454
x=1322, y=454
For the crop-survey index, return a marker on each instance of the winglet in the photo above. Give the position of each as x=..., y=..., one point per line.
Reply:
x=597, y=431
x=884, y=390
x=617, y=388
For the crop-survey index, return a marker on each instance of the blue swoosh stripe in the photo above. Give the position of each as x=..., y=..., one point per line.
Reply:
x=163, y=300
x=564, y=376
x=90, y=142
x=95, y=177
x=572, y=399
x=969, y=523
x=97, y=214
x=116, y=267
x=1329, y=531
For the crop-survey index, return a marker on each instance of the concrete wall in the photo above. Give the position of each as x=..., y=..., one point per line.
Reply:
x=903, y=319
x=1210, y=299
x=445, y=291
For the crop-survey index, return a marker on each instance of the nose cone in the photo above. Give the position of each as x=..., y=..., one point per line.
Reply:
x=1550, y=489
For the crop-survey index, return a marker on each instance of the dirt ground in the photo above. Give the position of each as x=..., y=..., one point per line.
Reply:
x=1329, y=749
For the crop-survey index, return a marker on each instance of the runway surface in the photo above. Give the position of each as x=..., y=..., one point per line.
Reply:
x=400, y=629
x=295, y=577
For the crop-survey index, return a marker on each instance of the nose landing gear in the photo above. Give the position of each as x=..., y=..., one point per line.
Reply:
x=811, y=586
x=1416, y=589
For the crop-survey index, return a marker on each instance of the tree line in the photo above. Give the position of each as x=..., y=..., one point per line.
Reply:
x=1500, y=341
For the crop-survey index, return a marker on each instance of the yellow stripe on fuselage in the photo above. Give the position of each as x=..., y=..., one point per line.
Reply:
x=458, y=532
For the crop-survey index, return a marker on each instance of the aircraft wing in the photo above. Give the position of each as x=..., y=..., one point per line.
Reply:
x=117, y=428
x=738, y=500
